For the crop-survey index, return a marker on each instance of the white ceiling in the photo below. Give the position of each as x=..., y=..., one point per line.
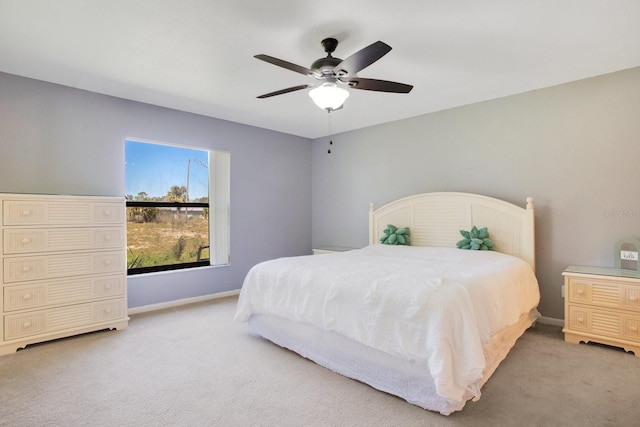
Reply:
x=197, y=55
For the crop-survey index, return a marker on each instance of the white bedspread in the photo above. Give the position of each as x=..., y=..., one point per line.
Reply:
x=437, y=305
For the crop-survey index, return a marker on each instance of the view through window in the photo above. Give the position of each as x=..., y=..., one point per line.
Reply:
x=168, y=209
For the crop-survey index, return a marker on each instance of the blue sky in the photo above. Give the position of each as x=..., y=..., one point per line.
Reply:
x=155, y=168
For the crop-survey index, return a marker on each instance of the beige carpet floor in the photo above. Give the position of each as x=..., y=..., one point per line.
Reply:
x=195, y=366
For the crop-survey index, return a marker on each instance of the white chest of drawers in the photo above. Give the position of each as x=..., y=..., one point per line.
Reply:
x=602, y=305
x=63, y=269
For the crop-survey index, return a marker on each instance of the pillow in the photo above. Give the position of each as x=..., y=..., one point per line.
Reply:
x=396, y=236
x=475, y=239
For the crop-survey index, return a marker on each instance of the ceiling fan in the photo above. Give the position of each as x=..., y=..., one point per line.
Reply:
x=332, y=73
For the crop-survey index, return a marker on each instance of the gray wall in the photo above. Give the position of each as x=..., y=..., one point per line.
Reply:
x=59, y=140
x=573, y=147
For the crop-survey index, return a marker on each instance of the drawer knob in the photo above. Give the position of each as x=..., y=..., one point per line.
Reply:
x=26, y=240
x=26, y=269
x=107, y=286
x=27, y=297
x=107, y=212
x=633, y=298
x=26, y=325
x=580, y=319
x=107, y=262
x=107, y=237
x=633, y=329
x=107, y=310
x=580, y=292
x=26, y=212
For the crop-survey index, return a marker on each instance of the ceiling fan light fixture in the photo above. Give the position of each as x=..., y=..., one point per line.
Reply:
x=329, y=96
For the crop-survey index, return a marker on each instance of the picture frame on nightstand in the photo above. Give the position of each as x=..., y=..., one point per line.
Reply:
x=626, y=254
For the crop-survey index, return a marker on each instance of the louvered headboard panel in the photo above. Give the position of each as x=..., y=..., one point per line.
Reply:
x=435, y=219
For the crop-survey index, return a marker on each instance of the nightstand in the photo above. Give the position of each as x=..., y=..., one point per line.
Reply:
x=330, y=250
x=602, y=305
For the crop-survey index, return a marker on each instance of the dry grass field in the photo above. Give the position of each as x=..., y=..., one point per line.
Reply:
x=168, y=240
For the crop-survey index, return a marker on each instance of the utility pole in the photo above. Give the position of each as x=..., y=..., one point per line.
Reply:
x=188, y=169
x=201, y=163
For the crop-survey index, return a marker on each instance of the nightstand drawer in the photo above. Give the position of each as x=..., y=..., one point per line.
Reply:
x=603, y=293
x=604, y=323
x=631, y=328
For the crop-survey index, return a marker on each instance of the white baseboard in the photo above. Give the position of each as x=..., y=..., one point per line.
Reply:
x=551, y=321
x=184, y=301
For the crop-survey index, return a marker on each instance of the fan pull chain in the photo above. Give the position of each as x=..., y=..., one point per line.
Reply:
x=330, y=132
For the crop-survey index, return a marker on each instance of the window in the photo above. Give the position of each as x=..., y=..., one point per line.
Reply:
x=177, y=206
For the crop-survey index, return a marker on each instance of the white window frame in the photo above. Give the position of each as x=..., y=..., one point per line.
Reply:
x=219, y=203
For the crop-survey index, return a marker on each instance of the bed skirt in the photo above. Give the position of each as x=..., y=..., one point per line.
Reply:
x=409, y=380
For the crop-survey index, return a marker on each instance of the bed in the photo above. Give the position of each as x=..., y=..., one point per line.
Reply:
x=427, y=322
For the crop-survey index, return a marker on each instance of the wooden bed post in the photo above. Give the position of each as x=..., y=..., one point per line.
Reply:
x=371, y=225
x=531, y=244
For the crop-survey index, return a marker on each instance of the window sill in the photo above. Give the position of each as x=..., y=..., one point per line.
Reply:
x=179, y=270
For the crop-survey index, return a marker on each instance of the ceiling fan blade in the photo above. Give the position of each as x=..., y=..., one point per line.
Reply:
x=283, y=91
x=362, y=59
x=377, y=85
x=284, y=64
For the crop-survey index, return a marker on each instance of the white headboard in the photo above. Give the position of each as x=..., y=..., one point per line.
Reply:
x=435, y=219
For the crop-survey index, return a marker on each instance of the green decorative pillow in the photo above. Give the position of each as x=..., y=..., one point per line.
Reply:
x=396, y=236
x=475, y=239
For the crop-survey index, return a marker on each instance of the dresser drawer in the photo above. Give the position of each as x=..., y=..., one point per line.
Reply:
x=19, y=241
x=56, y=212
x=19, y=269
x=57, y=319
x=603, y=293
x=62, y=291
x=604, y=323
